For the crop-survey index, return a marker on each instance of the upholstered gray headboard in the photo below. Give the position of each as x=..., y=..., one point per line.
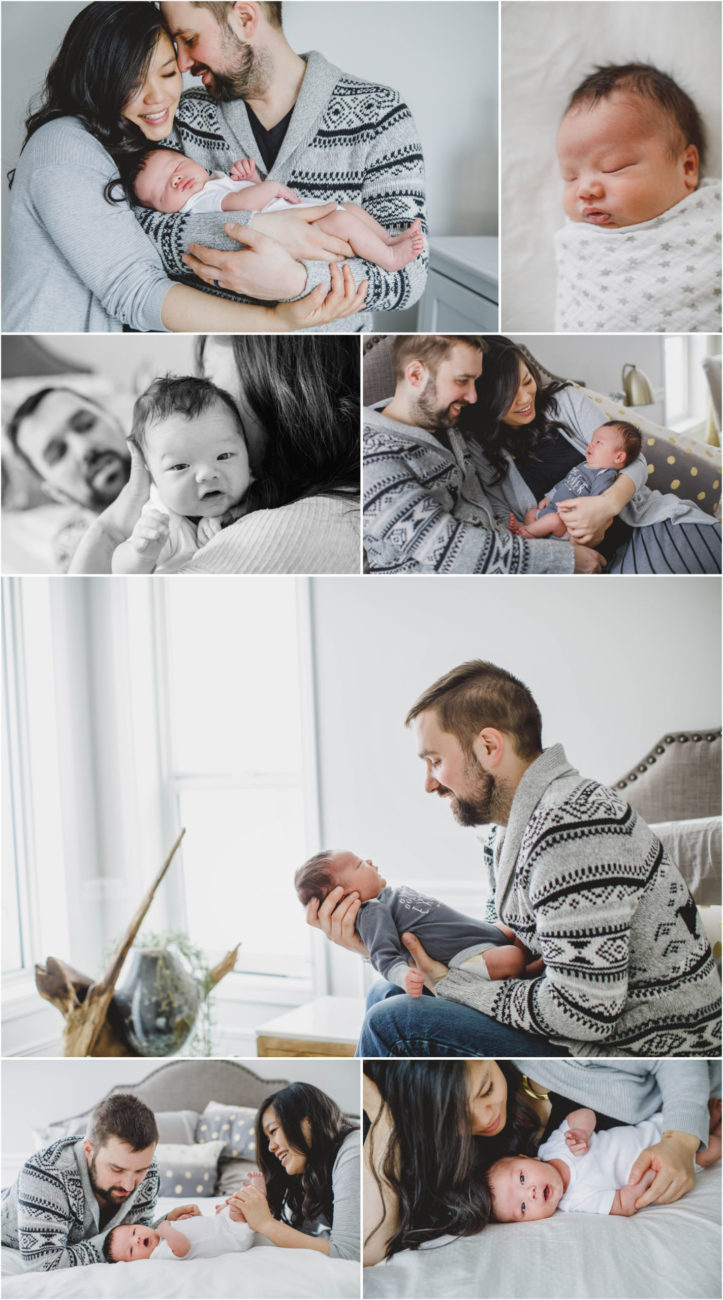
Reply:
x=678, y=778
x=190, y=1085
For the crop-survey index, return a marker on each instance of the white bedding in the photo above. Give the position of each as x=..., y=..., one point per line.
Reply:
x=546, y=50
x=663, y=1252
x=263, y=1273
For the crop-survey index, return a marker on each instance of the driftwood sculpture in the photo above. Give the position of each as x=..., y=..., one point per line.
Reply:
x=91, y=1027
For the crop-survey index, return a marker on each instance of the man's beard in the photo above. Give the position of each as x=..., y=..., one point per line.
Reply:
x=246, y=80
x=100, y=495
x=486, y=801
x=429, y=414
x=103, y=1194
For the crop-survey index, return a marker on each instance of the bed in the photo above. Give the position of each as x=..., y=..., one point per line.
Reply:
x=179, y=1092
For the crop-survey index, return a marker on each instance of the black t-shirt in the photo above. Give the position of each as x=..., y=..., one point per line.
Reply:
x=269, y=141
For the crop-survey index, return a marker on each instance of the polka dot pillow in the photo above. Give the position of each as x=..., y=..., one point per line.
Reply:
x=187, y=1169
x=233, y=1126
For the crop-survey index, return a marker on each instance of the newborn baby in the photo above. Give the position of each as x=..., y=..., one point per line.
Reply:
x=201, y=1237
x=641, y=248
x=489, y=951
x=167, y=181
x=192, y=440
x=579, y=1169
x=611, y=447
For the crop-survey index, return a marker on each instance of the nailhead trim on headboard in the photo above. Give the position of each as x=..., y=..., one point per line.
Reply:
x=681, y=738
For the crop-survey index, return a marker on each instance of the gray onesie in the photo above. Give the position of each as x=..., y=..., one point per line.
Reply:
x=581, y=481
x=447, y=935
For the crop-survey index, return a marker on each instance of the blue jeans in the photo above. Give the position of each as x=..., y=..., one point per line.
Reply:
x=397, y=1025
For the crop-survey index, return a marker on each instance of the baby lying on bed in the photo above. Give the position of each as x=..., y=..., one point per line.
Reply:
x=578, y=1169
x=167, y=181
x=192, y=440
x=642, y=245
x=202, y=1237
x=611, y=447
x=489, y=951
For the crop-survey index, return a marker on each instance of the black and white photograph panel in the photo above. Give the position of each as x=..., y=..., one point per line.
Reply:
x=220, y=454
x=607, y=1172
x=221, y=832
x=611, y=149
x=192, y=1178
x=538, y=454
x=250, y=166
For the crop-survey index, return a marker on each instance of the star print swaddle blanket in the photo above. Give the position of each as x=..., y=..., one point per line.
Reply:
x=663, y=275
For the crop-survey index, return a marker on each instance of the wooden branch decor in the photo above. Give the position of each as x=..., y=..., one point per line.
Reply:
x=91, y=1027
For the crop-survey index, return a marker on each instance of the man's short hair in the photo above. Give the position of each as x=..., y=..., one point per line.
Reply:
x=186, y=395
x=632, y=441
x=479, y=694
x=313, y=879
x=430, y=349
x=272, y=9
x=125, y=1117
x=649, y=83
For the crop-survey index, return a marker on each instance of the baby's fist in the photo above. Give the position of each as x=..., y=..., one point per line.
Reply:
x=414, y=983
x=577, y=1140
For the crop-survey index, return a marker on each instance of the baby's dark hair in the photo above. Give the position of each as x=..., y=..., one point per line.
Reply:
x=632, y=441
x=184, y=395
x=108, y=1255
x=130, y=166
x=649, y=83
x=314, y=878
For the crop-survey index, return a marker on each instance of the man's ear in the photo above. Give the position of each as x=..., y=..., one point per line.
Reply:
x=416, y=374
x=88, y=1149
x=489, y=747
x=243, y=19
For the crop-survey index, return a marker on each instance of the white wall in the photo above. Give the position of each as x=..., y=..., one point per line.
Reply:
x=598, y=360
x=612, y=664
x=38, y=1092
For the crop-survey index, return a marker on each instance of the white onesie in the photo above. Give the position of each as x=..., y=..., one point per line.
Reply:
x=184, y=537
x=209, y=198
x=209, y=1235
x=605, y=1167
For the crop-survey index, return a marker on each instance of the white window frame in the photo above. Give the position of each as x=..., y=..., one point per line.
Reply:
x=686, y=352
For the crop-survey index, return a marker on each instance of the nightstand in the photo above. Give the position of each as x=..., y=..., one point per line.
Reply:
x=462, y=290
x=325, y=1027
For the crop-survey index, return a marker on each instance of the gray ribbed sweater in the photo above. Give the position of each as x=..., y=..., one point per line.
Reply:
x=50, y=1213
x=348, y=140
x=76, y=262
x=586, y=884
x=344, y=1235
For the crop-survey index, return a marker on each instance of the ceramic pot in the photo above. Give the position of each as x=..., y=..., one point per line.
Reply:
x=158, y=1001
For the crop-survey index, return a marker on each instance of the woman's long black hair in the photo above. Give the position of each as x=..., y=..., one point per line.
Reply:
x=495, y=393
x=104, y=56
x=302, y=1198
x=304, y=389
x=434, y=1164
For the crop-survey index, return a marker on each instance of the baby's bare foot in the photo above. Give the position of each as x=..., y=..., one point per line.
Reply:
x=400, y=253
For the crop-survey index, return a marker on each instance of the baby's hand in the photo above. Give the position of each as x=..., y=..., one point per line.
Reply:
x=578, y=1141
x=245, y=170
x=414, y=983
x=139, y=554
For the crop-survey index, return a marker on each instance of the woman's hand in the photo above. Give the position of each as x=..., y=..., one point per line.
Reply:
x=336, y=917
x=324, y=304
x=264, y=269
x=300, y=236
x=254, y=1208
x=433, y=971
x=673, y=1161
x=586, y=519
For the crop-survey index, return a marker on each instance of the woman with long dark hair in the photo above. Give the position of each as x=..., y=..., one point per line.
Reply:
x=532, y=433
x=79, y=261
x=298, y=399
x=436, y=1126
x=309, y=1156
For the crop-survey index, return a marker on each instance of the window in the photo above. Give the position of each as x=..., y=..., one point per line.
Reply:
x=686, y=393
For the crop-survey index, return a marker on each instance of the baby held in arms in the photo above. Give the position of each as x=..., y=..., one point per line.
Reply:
x=611, y=447
x=167, y=181
x=580, y=1170
x=192, y=441
x=488, y=951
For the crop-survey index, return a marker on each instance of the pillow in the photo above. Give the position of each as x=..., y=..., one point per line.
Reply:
x=695, y=847
x=187, y=1169
x=231, y=1175
x=233, y=1126
x=177, y=1125
x=710, y=919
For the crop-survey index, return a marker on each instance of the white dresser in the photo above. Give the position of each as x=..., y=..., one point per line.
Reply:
x=462, y=289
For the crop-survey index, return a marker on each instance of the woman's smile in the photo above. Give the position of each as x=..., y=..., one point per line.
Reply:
x=522, y=407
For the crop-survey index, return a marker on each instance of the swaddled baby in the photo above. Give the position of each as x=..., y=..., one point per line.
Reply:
x=641, y=248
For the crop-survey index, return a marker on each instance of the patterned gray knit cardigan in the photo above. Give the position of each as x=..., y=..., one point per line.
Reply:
x=348, y=140
x=50, y=1213
x=586, y=884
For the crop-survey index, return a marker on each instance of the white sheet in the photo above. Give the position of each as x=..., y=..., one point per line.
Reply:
x=262, y=1273
x=546, y=51
x=663, y=1252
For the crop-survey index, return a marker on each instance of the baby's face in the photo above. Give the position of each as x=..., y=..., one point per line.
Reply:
x=606, y=449
x=358, y=874
x=132, y=1241
x=200, y=466
x=167, y=180
x=524, y=1189
x=616, y=162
